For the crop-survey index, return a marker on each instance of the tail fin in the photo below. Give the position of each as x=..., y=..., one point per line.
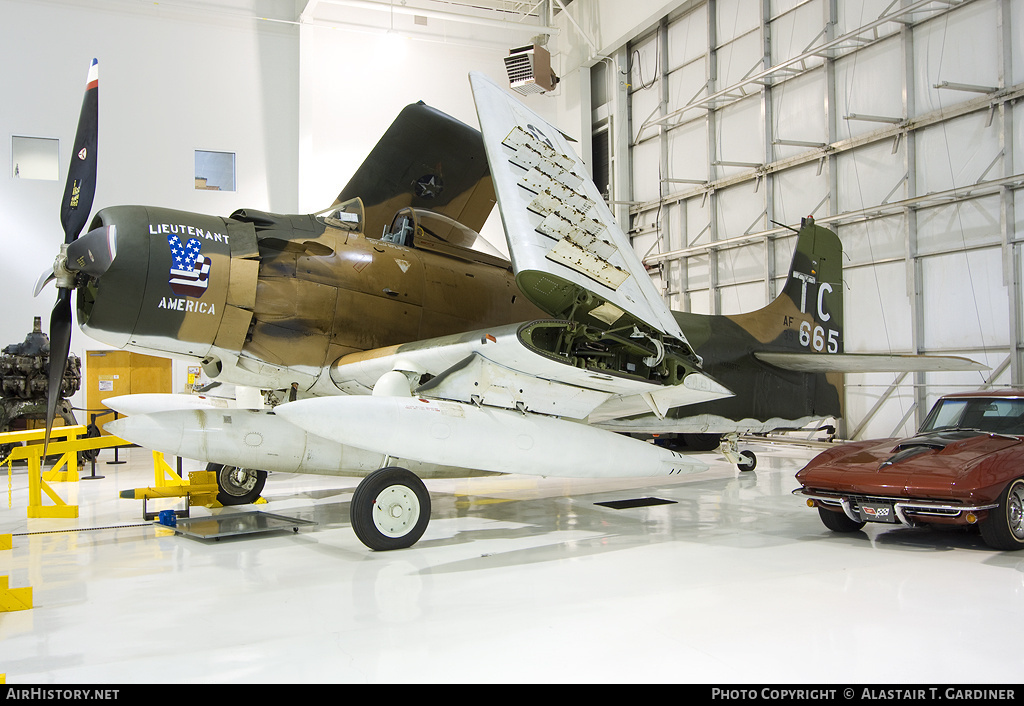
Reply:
x=807, y=316
x=426, y=159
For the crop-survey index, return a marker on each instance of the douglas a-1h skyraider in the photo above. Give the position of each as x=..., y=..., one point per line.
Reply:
x=388, y=343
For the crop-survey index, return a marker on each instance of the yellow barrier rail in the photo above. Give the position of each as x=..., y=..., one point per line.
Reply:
x=67, y=450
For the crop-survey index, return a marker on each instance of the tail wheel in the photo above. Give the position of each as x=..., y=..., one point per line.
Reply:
x=238, y=486
x=1004, y=526
x=390, y=509
x=747, y=462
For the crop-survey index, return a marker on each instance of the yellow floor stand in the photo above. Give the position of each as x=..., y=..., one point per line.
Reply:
x=12, y=599
x=68, y=450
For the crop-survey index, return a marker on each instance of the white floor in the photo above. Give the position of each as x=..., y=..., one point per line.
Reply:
x=516, y=580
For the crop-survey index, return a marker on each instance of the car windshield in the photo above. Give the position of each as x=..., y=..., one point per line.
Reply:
x=998, y=415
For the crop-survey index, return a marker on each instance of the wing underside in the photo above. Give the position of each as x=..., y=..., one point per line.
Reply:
x=500, y=367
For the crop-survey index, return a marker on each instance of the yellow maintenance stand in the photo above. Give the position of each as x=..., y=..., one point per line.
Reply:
x=65, y=470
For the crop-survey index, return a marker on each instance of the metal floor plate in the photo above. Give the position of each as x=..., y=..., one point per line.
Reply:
x=230, y=525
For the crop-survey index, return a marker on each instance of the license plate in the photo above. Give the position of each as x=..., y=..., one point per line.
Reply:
x=878, y=512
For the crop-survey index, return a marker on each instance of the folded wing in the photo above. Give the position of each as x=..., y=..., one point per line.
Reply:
x=570, y=256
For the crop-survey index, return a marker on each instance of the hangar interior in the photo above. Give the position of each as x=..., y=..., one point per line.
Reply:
x=711, y=126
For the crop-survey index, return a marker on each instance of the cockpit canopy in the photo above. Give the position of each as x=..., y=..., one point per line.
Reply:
x=347, y=216
x=422, y=229
x=428, y=230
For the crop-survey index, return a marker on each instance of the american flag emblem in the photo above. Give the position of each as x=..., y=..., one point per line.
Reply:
x=190, y=269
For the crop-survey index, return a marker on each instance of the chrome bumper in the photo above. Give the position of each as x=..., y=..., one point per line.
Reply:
x=900, y=506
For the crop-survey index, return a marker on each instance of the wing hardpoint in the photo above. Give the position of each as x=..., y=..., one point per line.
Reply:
x=569, y=255
x=426, y=159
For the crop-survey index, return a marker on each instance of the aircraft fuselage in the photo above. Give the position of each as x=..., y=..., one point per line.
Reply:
x=267, y=300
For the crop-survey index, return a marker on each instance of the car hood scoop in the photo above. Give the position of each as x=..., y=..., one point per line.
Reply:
x=907, y=450
x=928, y=443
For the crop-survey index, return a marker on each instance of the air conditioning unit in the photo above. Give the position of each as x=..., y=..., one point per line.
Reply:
x=529, y=70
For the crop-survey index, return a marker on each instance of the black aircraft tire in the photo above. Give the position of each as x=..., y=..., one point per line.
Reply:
x=390, y=509
x=237, y=486
x=1004, y=527
x=748, y=461
x=91, y=432
x=702, y=442
x=838, y=521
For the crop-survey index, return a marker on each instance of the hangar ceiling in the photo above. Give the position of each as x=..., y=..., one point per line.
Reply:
x=447, y=18
x=425, y=19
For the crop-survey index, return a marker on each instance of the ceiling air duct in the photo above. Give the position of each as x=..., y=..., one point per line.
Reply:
x=529, y=70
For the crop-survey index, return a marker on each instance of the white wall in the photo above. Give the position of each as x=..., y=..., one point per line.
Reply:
x=171, y=82
x=354, y=84
x=355, y=81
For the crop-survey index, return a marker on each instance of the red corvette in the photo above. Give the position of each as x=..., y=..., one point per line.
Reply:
x=964, y=467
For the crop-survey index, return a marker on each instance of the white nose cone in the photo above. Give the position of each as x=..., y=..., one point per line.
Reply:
x=482, y=438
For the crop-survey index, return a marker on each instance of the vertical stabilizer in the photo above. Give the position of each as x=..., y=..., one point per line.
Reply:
x=807, y=316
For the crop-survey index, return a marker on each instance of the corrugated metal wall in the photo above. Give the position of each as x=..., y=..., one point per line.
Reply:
x=893, y=123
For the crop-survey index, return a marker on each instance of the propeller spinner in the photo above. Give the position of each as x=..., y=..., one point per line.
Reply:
x=79, y=258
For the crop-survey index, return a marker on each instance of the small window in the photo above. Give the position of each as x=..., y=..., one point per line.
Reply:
x=35, y=158
x=215, y=171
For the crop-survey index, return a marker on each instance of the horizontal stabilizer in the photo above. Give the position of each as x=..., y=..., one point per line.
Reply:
x=867, y=362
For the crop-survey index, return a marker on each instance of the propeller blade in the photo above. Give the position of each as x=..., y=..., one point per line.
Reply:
x=81, y=184
x=60, y=345
x=97, y=252
x=44, y=279
x=93, y=252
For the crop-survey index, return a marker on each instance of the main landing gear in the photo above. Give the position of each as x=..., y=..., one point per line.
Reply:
x=238, y=486
x=390, y=509
x=730, y=448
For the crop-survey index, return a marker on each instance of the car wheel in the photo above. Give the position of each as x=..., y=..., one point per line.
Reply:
x=838, y=521
x=1004, y=526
